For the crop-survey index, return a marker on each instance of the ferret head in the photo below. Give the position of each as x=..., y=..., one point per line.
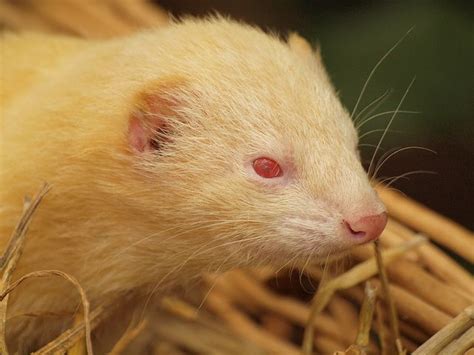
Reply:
x=246, y=153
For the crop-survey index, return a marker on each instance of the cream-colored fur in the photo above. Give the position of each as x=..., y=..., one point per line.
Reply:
x=121, y=220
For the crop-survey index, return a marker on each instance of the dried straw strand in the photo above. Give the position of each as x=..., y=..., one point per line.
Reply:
x=390, y=239
x=393, y=316
x=139, y=13
x=183, y=324
x=79, y=348
x=68, y=338
x=413, y=332
x=128, y=336
x=382, y=329
x=12, y=254
x=243, y=326
x=225, y=285
x=460, y=345
x=354, y=276
x=287, y=307
x=440, y=264
x=418, y=311
x=13, y=18
x=439, y=228
x=196, y=338
x=71, y=279
x=345, y=315
x=448, y=333
x=100, y=19
x=422, y=284
x=179, y=308
x=365, y=317
x=277, y=325
x=362, y=341
x=163, y=347
x=326, y=345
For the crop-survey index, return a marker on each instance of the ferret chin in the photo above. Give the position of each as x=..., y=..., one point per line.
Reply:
x=200, y=146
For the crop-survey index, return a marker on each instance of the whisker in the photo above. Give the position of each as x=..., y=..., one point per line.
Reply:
x=199, y=225
x=237, y=241
x=293, y=266
x=310, y=280
x=285, y=264
x=196, y=253
x=173, y=270
x=201, y=304
x=362, y=92
x=367, y=145
x=373, y=178
x=302, y=271
x=375, y=131
x=377, y=102
x=394, y=189
x=389, y=124
x=405, y=175
x=397, y=151
x=325, y=274
x=383, y=114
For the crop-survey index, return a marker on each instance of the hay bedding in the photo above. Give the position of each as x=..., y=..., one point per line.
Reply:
x=403, y=294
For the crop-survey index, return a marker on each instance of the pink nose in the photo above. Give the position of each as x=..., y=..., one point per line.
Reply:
x=369, y=227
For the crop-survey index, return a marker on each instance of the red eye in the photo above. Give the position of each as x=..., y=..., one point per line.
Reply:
x=267, y=168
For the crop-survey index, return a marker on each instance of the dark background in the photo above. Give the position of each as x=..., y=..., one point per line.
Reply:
x=353, y=36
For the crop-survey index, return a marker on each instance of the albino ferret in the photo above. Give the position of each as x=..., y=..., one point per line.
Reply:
x=202, y=146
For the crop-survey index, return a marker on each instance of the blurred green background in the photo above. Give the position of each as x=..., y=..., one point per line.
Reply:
x=439, y=51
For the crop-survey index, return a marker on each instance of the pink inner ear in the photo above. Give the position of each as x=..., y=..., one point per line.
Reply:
x=145, y=134
x=144, y=127
x=148, y=126
x=138, y=135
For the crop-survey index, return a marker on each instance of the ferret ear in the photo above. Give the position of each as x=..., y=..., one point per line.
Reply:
x=150, y=123
x=301, y=47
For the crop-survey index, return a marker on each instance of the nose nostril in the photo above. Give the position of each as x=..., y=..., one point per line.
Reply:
x=368, y=227
x=355, y=233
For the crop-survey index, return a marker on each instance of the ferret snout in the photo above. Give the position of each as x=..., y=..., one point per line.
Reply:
x=367, y=228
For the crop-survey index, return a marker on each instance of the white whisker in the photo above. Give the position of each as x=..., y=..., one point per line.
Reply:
x=402, y=176
x=375, y=103
x=375, y=131
x=362, y=92
x=389, y=124
x=397, y=151
x=383, y=114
